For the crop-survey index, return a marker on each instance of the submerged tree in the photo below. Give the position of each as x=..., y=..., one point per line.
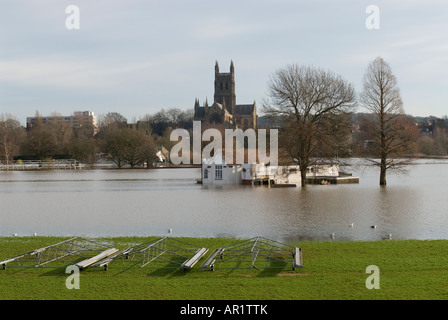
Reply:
x=388, y=135
x=313, y=105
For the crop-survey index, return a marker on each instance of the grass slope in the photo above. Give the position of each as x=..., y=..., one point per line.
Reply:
x=409, y=269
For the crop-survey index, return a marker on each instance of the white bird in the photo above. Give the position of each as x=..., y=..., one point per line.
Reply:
x=34, y=234
x=373, y=227
x=351, y=225
x=170, y=230
x=15, y=234
x=332, y=235
x=388, y=236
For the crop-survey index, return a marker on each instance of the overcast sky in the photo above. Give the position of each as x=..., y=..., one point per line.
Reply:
x=136, y=57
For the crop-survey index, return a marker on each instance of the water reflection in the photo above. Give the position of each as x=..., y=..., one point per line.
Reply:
x=148, y=202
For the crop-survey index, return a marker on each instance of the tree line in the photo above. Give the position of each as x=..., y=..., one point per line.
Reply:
x=315, y=107
x=315, y=110
x=132, y=144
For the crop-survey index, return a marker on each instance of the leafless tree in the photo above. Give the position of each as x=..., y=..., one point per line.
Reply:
x=82, y=149
x=61, y=131
x=111, y=119
x=129, y=146
x=390, y=136
x=313, y=105
x=147, y=152
x=41, y=142
x=116, y=141
x=11, y=135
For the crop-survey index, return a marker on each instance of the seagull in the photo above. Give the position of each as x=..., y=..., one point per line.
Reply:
x=170, y=230
x=373, y=227
x=34, y=234
x=15, y=234
x=388, y=236
x=351, y=225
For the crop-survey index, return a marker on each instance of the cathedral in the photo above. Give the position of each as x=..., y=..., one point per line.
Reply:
x=224, y=109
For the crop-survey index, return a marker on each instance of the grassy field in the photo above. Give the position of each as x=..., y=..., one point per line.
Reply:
x=409, y=269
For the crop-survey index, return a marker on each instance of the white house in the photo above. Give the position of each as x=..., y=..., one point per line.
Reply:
x=216, y=171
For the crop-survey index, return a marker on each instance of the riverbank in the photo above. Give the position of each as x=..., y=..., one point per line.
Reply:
x=41, y=165
x=408, y=269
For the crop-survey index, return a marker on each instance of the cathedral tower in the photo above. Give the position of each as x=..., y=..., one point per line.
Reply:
x=225, y=88
x=224, y=108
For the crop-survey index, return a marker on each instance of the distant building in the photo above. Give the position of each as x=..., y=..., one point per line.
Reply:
x=77, y=120
x=433, y=127
x=224, y=108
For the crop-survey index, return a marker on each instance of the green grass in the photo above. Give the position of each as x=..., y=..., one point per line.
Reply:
x=409, y=269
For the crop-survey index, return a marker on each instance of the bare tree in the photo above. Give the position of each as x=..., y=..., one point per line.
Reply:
x=129, y=146
x=389, y=135
x=115, y=145
x=11, y=135
x=148, y=152
x=41, y=142
x=111, y=119
x=61, y=131
x=133, y=141
x=312, y=105
x=82, y=149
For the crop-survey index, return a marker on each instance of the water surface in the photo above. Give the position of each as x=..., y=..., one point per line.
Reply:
x=100, y=203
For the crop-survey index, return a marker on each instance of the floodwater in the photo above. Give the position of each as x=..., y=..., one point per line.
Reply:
x=97, y=203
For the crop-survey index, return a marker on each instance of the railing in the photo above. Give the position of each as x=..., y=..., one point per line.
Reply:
x=59, y=164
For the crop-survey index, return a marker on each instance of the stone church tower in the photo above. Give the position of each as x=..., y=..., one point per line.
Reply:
x=224, y=108
x=225, y=88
